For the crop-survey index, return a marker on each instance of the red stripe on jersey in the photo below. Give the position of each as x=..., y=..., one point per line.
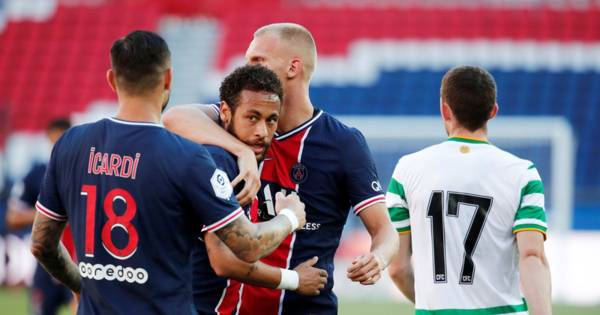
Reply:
x=366, y=203
x=264, y=301
x=254, y=210
x=280, y=159
x=49, y=213
x=223, y=222
x=230, y=299
x=67, y=241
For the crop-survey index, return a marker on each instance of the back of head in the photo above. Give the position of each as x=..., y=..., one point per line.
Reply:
x=298, y=39
x=471, y=94
x=56, y=128
x=61, y=124
x=254, y=78
x=139, y=61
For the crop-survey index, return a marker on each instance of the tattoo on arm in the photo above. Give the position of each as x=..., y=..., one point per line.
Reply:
x=48, y=250
x=250, y=242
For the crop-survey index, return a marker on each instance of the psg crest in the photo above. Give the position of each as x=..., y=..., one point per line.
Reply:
x=299, y=173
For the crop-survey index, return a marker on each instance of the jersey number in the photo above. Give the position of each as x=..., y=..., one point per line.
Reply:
x=121, y=221
x=482, y=206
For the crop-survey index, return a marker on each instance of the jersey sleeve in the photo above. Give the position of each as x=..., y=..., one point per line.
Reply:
x=225, y=162
x=210, y=194
x=49, y=202
x=364, y=188
x=531, y=215
x=395, y=201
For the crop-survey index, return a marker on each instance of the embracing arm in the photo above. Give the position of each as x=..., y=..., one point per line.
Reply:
x=226, y=264
x=197, y=123
x=250, y=242
x=366, y=269
x=305, y=279
x=534, y=272
x=52, y=255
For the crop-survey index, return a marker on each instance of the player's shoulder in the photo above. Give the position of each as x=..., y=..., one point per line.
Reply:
x=38, y=167
x=512, y=163
x=35, y=173
x=73, y=136
x=421, y=156
x=510, y=157
x=221, y=156
x=224, y=160
x=183, y=147
x=339, y=132
x=217, y=151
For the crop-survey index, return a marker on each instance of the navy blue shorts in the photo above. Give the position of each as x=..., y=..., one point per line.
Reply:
x=47, y=294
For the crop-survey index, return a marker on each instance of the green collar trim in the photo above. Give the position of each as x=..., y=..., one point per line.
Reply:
x=468, y=140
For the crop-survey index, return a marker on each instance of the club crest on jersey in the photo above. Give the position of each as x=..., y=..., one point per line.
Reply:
x=299, y=173
x=220, y=184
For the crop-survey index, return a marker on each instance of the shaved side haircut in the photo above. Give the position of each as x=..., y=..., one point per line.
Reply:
x=300, y=40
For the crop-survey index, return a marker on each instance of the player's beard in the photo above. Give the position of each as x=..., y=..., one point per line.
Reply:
x=266, y=145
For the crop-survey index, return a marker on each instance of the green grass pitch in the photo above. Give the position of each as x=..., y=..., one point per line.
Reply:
x=14, y=302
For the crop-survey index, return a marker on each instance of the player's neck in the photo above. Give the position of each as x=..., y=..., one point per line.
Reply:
x=296, y=110
x=138, y=109
x=479, y=134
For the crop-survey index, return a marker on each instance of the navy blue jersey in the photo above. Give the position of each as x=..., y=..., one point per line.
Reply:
x=26, y=192
x=31, y=184
x=208, y=287
x=331, y=168
x=136, y=196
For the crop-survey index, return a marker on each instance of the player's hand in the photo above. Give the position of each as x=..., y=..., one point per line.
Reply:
x=249, y=174
x=312, y=280
x=365, y=269
x=292, y=202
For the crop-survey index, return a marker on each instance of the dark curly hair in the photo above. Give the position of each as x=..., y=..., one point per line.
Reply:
x=254, y=78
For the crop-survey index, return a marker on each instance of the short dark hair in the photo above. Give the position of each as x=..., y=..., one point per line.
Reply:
x=59, y=123
x=138, y=60
x=471, y=94
x=254, y=78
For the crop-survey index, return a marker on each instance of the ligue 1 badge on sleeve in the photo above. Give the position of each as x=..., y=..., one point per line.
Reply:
x=220, y=184
x=299, y=173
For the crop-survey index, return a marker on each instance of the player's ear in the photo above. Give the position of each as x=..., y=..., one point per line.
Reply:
x=295, y=68
x=110, y=78
x=494, y=111
x=168, y=77
x=225, y=113
x=446, y=111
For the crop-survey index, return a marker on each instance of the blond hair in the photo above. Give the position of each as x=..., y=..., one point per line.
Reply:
x=300, y=41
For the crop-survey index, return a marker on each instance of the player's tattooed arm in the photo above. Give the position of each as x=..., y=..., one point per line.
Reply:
x=367, y=268
x=250, y=242
x=225, y=264
x=52, y=255
x=198, y=123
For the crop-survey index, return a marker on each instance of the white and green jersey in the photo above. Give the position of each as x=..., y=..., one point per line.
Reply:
x=462, y=201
